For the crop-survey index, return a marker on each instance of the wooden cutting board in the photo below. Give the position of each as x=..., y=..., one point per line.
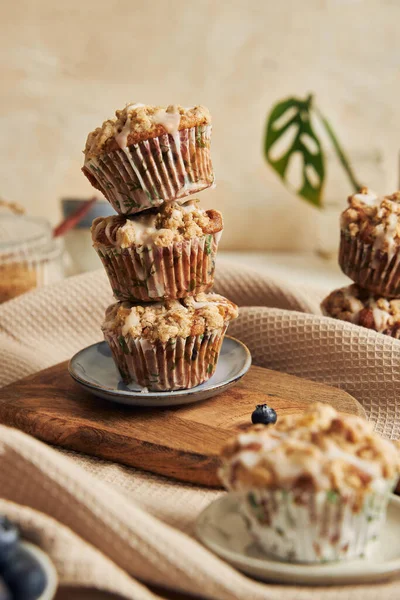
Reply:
x=181, y=442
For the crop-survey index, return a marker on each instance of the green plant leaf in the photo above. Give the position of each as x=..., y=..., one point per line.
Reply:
x=298, y=117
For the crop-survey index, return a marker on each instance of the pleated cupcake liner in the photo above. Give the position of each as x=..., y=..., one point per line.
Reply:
x=180, y=363
x=162, y=169
x=314, y=527
x=150, y=273
x=371, y=269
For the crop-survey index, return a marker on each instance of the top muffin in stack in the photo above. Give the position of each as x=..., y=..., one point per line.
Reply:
x=162, y=245
x=370, y=255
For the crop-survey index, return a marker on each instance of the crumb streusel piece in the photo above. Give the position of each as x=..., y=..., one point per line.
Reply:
x=374, y=220
x=190, y=316
x=170, y=223
x=320, y=449
x=138, y=122
x=357, y=305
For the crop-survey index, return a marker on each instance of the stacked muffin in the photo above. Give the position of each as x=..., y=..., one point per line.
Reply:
x=370, y=255
x=166, y=330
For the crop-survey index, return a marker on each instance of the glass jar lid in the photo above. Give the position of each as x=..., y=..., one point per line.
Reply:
x=22, y=236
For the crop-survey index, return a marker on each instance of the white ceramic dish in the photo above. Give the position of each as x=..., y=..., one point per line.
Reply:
x=48, y=567
x=221, y=528
x=94, y=369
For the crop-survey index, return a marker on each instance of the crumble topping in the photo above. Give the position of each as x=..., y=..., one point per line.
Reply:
x=375, y=220
x=138, y=122
x=359, y=306
x=320, y=449
x=167, y=320
x=170, y=223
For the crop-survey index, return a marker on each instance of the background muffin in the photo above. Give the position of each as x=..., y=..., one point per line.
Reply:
x=169, y=345
x=150, y=154
x=314, y=487
x=359, y=306
x=164, y=253
x=370, y=241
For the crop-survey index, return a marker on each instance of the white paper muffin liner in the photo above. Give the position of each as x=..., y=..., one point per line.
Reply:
x=314, y=527
x=180, y=363
x=161, y=169
x=370, y=268
x=150, y=273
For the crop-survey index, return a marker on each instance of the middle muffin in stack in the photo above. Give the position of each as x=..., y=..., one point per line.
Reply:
x=370, y=255
x=165, y=332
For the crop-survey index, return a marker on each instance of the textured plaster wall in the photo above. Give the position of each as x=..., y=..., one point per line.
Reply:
x=65, y=66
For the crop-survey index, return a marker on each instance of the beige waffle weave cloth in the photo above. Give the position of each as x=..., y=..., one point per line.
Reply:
x=120, y=530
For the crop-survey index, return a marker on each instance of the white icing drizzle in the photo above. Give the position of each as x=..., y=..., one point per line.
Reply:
x=369, y=198
x=381, y=316
x=385, y=235
x=354, y=303
x=132, y=320
x=122, y=137
x=169, y=120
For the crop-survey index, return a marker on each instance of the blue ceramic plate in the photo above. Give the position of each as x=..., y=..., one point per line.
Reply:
x=94, y=369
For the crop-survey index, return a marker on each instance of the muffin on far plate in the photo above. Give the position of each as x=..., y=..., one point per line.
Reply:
x=148, y=155
x=370, y=241
x=359, y=306
x=163, y=253
x=170, y=345
x=315, y=486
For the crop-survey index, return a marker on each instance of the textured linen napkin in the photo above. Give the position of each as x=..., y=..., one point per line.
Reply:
x=107, y=526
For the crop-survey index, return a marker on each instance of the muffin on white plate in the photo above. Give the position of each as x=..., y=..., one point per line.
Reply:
x=147, y=155
x=169, y=345
x=168, y=252
x=315, y=486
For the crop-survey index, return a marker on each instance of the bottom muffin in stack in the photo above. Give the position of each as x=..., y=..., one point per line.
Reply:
x=168, y=345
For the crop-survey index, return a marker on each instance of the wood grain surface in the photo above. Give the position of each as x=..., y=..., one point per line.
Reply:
x=181, y=442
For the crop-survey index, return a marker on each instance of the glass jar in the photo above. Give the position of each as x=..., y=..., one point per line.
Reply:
x=29, y=256
x=78, y=241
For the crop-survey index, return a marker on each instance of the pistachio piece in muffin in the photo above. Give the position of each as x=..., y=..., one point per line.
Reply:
x=168, y=252
x=168, y=345
x=150, y=154
x=357, y=305
x=370, y=242
x=315, y=486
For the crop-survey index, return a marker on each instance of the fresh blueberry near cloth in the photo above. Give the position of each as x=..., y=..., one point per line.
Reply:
x=21, y=575
x=24, y=576
x=9, y=538
x=263, y=414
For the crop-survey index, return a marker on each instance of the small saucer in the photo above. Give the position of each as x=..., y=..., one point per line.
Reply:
x=221, y=528
x=48, y=568
x=94, y=369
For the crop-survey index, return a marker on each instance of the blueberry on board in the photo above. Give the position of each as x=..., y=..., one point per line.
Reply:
x=9, y=536
x=263, y=414
x=5, y=593
x=24, y=575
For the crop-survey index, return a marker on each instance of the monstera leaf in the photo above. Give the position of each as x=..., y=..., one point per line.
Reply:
x=293, y=117
x=294, y=114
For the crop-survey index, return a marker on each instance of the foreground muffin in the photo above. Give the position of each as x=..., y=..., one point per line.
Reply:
x=163, y=253
x=170, y=345
x=370, y=241
x=359, y=306
x=314, y=487
x=148, y=155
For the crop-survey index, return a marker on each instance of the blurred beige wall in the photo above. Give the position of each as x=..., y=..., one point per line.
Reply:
x=66, y=66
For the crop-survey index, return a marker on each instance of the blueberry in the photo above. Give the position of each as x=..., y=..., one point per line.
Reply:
x=5, y=593
x=263, y=414
x=24, y=575
x=9, y=536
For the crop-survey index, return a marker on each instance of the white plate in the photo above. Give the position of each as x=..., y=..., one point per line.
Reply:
x=48, y=568
x=94, y=369
x=221, y=528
